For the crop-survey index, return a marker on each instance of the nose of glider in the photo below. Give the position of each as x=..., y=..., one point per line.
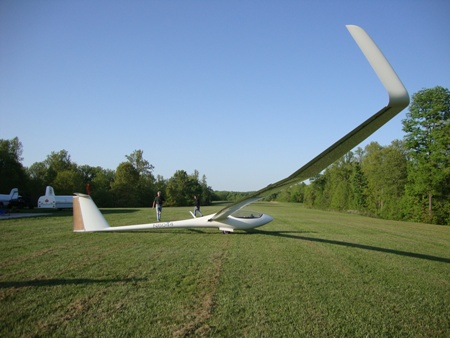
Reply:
x=266, y=219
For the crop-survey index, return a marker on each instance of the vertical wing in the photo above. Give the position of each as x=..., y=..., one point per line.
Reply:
x=398, y=100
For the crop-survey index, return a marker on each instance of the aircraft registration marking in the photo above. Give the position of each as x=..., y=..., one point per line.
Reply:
x=163, y=225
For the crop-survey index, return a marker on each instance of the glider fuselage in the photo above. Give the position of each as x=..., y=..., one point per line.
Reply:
x=229, y=224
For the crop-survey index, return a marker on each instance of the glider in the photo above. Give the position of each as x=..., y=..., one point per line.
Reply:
x=88, y=218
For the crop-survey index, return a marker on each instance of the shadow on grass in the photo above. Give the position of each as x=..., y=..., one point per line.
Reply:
x=288, y=234
x=55, y=282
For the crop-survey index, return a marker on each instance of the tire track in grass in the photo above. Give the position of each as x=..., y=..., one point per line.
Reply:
x=203, y=309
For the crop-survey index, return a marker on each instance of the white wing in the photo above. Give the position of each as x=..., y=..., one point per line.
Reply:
x=398, y=100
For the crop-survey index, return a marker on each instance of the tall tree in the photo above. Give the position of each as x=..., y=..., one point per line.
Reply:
x=182, y=187
x=37, y=177
x=68, y=182
x=385, y=171
x=124, y=187
x=55, y=163
x=59, y=161
x=195, y=186
x=315, y=192
x=178, y=190
x=393, y=173
x=427, y=127
x=12, y=173
x=207, y=192
x=100, y=186
x=145, y=189
x=339, y=184
x=370, y=165
x=359, y=187
x=161, y=184
x=143, y=167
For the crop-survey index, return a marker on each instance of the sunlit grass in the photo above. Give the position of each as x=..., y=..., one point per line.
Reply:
x=308, y=273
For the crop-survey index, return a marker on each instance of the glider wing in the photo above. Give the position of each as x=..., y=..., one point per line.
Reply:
x=398, y=100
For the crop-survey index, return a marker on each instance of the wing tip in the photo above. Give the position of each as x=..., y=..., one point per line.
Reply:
x=398, y=95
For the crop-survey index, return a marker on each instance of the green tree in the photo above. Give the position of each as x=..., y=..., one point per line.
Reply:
x=143, y=167
x=370, y=165
x=178, y=189
x=68, y=182
x=385, y=171
x=44, y=173
x=182, y=187
x=206, y=194
x=39, y=175
x=88, y=173
x=100, y=186
x=196, y=187
x=12, y=173
x=59, y=161
x=359, y=187
x=315, y=192
x=359, y=182
x=124, y=187
x=394, y=173
x=339, y=184
x=427, y=127
x=160, y=185
x=295, y=194
x=146, y=187
x=97, y=178
x=37, y=178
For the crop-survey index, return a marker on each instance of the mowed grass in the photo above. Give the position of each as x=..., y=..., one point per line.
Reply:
x=308, y=273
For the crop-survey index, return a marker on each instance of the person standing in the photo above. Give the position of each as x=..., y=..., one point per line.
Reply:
x=197, y=206
x=158, y=203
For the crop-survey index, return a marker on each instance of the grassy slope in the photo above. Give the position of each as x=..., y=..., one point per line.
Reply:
x=307, y=273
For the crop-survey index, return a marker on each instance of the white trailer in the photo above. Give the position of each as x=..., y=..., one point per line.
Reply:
x=52, y=201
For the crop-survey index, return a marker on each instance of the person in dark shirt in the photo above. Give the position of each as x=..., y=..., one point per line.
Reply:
x=158, y=203
x=197, y=206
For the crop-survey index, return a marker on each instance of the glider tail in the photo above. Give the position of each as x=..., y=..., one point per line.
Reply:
x=86, y=216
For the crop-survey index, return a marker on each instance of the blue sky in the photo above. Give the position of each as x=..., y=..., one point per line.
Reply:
x=245, y=92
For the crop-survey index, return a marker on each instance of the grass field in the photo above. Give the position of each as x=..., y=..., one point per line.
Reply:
x=308, y=273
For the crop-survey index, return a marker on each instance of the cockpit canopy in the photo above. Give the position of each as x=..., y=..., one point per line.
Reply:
x=247, y=214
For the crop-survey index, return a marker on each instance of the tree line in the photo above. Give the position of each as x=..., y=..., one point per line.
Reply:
x=132, y=184
x=407, y=180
